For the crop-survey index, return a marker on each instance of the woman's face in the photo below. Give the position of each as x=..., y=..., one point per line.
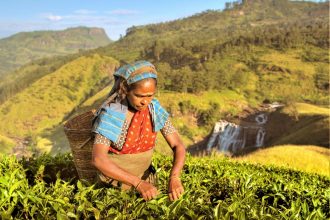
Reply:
x=140, y=96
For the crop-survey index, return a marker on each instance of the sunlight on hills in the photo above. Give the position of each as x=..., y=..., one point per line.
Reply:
x=308, y=109
x=312, y=159
x=47, y=101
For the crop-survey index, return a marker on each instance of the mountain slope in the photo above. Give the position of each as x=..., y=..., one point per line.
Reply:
x=23, y=47
x=217, y=26
x=47, y=101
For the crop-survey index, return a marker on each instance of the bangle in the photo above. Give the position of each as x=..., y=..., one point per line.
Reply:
x=137, y=185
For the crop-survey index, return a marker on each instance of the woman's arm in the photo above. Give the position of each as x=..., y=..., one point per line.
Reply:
x=107, y=167
x=175, y=188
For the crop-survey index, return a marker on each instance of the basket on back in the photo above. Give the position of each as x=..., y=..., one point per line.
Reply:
x=78, y=130
x=79, y=133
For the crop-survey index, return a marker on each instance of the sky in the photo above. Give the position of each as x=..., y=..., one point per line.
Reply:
x=115, y=16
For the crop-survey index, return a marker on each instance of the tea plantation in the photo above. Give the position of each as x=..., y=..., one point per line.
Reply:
x=47, y=188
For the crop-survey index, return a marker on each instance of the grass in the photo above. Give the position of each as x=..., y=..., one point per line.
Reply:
x=289, y=59
x=311, y=159
x=309, y=109
x=6, y=145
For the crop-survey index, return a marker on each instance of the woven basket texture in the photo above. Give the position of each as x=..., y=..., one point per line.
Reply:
x=79, y=133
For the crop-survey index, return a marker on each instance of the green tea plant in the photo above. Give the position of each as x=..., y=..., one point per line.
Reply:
x=215, y=189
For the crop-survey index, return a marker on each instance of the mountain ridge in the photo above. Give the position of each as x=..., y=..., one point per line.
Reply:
x=24, y=47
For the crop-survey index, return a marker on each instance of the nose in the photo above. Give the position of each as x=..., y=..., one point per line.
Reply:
x=144, y=102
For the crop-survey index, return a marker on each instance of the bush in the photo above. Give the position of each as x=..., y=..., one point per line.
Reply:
x=215, y=189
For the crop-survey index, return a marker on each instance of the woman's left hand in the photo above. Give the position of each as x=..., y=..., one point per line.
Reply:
x=175, y=188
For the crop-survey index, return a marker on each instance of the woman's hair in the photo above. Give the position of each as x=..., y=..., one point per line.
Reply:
x=122, y=88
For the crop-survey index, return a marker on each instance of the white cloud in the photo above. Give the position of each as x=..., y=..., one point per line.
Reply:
x=123, y=12
x=84, y=12
x=52, y=17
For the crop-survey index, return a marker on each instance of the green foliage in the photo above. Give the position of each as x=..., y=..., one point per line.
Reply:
x=210, y=116
x=215, y=189
x=186, y=107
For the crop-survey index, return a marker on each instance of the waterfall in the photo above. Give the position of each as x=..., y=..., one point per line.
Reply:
x=260, y=137
x=228, y=137
x=231, y=139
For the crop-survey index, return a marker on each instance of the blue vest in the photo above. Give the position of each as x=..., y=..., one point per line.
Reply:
x=110, y=119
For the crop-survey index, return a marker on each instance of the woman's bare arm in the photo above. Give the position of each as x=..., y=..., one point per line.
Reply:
x=179, y=152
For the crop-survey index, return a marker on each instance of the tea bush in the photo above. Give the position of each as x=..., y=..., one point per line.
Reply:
x=215, y=189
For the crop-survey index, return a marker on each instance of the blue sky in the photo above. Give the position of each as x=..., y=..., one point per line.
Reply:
x=114, y=16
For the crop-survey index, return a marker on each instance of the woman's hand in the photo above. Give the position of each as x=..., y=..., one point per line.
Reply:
x=147, y=190
x=175, y=188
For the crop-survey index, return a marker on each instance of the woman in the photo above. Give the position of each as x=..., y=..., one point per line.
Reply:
x=126, y=129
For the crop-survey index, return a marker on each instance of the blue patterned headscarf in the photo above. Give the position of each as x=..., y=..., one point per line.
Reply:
x=137, y=71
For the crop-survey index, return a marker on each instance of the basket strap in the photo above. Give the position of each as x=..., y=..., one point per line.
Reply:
x=109, y=99
x=85, y=142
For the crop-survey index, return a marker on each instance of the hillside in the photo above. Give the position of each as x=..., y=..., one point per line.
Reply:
x=310, y=159
x=211, y=26
x=212, y=65
x=24, y=47
x=46, y=103
x=301, y=124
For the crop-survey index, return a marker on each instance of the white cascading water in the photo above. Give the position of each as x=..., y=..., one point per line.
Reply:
x=261, y=119
x=260, y=137
x=229, y=137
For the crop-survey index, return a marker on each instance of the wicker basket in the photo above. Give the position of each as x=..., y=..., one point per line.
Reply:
x=78, y=130
x=79, y=133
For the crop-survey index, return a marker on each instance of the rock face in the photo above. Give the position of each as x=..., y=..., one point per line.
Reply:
x=230, y=138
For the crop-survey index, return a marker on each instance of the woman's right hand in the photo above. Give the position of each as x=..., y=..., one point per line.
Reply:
x=147, y=190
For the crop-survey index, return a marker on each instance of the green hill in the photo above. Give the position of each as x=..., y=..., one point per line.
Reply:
x=207, y=28
x=45, y=104
x=24, y=47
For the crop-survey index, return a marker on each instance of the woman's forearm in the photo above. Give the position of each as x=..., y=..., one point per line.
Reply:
x=178, y=160
x=110, y=169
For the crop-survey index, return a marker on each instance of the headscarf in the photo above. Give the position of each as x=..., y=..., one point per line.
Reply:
x=137, y=71
x=132, y=73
